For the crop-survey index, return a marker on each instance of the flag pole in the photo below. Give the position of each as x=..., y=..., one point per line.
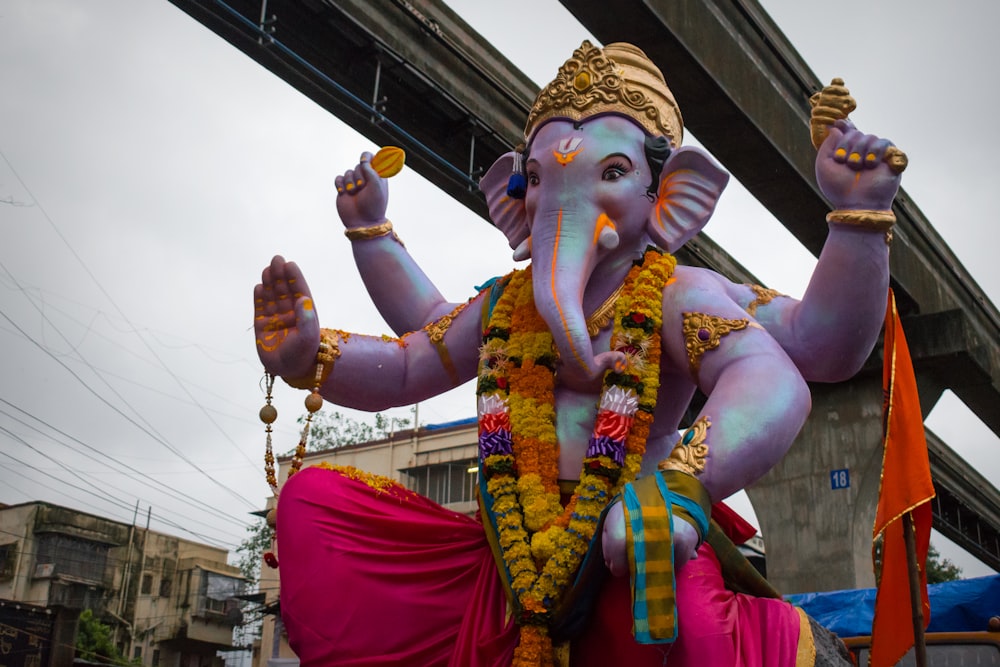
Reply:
x=916, y=605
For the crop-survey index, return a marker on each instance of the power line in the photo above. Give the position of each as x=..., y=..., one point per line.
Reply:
x=101, y=398
x=90, y=330
x=207, y=539
x=121, y=314
x=177, y=495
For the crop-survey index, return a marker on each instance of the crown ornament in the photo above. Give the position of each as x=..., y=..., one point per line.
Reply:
x=617, y=79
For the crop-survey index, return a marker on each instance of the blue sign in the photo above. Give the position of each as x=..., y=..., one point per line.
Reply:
x=840, y=479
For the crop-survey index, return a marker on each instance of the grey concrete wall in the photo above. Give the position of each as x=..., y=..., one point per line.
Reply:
x=817, y=537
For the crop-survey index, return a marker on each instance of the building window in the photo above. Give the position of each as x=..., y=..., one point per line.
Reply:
x=70, y=555
x=147, y=584
x=166, y=585
x=8, y=556
x=137, y=653
x=156, y=657
x=218, y=594
x=445, y=483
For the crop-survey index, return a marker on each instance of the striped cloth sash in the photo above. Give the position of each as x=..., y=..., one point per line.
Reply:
x=649, y=544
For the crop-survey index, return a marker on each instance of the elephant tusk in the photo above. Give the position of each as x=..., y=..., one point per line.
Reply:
x=608, y=238
x=523, y=250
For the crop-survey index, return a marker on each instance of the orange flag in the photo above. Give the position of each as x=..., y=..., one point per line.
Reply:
x=905, y=492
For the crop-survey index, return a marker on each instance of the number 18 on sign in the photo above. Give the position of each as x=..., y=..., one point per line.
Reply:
x=840, y=479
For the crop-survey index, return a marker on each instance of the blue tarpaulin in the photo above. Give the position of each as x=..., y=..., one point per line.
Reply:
x=457, y=422
x=956, y=606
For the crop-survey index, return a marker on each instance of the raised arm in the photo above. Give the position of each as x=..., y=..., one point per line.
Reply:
x=832, y=330
x=404, y=295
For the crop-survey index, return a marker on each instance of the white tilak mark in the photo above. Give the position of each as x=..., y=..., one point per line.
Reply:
x=569, y=144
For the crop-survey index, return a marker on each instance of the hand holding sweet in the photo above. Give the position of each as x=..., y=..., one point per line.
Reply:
x=285, y=322
x=362, y=195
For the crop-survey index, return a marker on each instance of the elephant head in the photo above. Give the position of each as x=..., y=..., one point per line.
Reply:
x=602, y=185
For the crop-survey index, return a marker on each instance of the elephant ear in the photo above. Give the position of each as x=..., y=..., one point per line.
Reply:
x=690, y=185
x=507, y=213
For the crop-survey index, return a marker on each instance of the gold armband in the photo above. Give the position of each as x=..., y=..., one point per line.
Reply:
x=435, y=333
x=326, y=355
x=763, y=296
x=876, y=221
x=373, y=232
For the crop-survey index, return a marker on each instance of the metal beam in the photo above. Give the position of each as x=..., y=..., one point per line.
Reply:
x=392, y=72
x=406, y=73
x=967, y=507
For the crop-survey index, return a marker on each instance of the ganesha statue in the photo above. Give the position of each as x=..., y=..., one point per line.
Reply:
x=602, y=538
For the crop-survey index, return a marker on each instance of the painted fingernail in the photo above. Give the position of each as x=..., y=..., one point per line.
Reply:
x=854, y=158
x=349, y=186
x=841, y=153
x=870, y=158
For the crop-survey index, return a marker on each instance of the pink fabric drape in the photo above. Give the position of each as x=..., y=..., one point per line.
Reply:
x=715, y=626
x=390, y=578
x=386, y=578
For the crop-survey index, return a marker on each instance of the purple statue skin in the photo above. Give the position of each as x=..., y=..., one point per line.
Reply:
x=579, y=260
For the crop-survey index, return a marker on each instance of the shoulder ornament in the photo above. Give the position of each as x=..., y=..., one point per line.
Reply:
x=703, y=332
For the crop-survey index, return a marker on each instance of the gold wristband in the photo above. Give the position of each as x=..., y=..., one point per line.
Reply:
x=326, y=355
x=876, y=221
x=373, y=232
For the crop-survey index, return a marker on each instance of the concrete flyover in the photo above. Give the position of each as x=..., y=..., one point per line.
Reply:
x=426, y=81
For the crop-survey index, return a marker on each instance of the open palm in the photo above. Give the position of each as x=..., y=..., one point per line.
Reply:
x=285, y=322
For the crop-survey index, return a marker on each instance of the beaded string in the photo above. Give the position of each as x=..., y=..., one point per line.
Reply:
x=268, y=414
x=326, y=355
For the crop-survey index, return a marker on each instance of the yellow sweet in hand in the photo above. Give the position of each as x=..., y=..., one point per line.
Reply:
x=389, y=161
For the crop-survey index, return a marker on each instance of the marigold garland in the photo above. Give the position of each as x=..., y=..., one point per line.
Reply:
x=543, y=544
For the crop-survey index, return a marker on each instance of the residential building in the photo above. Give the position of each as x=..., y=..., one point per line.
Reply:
x=171, y=602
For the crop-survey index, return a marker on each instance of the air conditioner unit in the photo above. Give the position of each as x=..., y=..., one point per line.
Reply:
x=45, y=570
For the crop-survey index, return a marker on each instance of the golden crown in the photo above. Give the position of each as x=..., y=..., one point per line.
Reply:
x=616, y=79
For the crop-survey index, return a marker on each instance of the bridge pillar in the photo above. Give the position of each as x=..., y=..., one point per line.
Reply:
x=817, y=507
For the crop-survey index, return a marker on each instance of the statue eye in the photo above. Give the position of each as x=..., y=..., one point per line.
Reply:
x=533, y=178
x=614, y=171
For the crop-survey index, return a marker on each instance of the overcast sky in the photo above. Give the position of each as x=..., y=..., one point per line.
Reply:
x=149, y=170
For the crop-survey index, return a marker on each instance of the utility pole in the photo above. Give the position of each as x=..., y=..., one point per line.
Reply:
x=138, y=590
x=126, y=571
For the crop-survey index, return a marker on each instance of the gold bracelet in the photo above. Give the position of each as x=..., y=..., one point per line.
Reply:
x=373, y=232
x=326, y=355
x=876, y=221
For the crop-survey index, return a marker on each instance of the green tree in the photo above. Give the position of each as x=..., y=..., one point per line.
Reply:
x=330, y=430
x=940, y=569
x=251, y=550
x=94, y=643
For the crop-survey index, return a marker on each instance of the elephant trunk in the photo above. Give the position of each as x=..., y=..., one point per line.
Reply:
x=562, y=264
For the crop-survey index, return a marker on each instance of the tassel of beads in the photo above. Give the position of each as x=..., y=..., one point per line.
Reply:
x=268, y=414
x=517, y=184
